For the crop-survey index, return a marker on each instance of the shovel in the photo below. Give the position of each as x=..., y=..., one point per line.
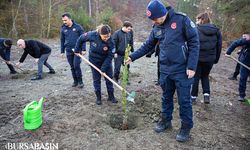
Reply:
x=229, y=56
x=12, y=64
x=131, y=96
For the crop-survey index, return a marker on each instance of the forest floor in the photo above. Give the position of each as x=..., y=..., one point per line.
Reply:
x=73, y=120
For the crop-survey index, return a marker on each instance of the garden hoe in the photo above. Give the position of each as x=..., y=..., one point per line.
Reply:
x=131, y=96
x=229, y=56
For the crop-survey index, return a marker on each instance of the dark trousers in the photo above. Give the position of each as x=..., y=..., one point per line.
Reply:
x=74, y=62
x=97, y=78
x=237, y=70
x=202, y=73
x=118, y=62
x=5, y=54
x=244, y=73
x=181, y=83
x=43, y=61
x=158, y=68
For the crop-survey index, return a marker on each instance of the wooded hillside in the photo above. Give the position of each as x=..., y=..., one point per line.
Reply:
x=42, y=18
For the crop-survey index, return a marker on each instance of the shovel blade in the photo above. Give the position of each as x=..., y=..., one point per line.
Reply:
x=131, y=97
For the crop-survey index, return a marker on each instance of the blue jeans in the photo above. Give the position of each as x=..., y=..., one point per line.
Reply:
x=74, y=62
x=244, y=73
x=43, y=61
x=179, y=82
x=97, y=78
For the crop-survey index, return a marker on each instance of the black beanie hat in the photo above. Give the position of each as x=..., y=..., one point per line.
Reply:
x=8, y=42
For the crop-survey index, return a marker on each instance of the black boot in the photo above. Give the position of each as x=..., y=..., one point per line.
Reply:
x=12, y=70
x=75, y=83
x=98, y=97
x=162, y=124
x=112, y=97
x=183, y=134
x=80, y=83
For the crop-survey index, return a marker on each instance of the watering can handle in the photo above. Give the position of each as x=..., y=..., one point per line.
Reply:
x=26, y=110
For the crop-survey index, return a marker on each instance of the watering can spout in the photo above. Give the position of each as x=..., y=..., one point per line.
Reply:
x=40, y=103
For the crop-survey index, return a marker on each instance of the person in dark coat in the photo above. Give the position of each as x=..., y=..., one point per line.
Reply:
x=39, y=51
x=70, y=32
x=122, y=38
x=156, y=50
x=210, y=49
x=5, y=47
x=237, y=67
x=101, y=53
x=179, y=51
x=245, y=59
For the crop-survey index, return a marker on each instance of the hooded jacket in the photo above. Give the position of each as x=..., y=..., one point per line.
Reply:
x=210, y=43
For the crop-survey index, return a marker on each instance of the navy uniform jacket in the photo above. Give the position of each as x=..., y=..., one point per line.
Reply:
x=4, y=51
x=179, y=44
x=100, y=52
x=69, y=36
x=35, y=49
x=121, y=40
x=245, y=52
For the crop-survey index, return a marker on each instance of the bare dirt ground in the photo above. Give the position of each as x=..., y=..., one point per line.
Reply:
x=73, y=120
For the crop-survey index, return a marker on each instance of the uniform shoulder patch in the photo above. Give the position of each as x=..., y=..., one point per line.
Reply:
x=181, y=13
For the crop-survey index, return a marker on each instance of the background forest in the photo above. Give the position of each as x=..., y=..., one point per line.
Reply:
x=42, y=18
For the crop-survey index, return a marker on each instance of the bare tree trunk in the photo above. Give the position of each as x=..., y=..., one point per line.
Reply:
x=49, y=19
x=14, y=16
x=26, y=18
x=90, y=9
x=42, y=19
x=97, y=13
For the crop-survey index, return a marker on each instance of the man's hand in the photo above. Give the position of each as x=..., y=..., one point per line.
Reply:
x=190, y=73
x=83, y=52
x=115, y=55
x=62, y=55
x=128, y=61
x=227, y=55
x=8, y=62
x=36, y=60
x=18, y=64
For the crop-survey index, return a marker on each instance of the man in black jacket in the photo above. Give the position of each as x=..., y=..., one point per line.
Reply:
x=37, y=50
x=122, y=38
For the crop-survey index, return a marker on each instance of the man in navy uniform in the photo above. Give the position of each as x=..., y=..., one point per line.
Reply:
x=179, y=51
x=70, y=32
x=245, y=59
x=5, y=46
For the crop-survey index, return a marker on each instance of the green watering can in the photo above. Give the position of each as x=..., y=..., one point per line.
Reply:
x=32, y=115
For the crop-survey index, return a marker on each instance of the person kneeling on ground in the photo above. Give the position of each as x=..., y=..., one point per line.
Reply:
x=39, y=51
x=100, y=54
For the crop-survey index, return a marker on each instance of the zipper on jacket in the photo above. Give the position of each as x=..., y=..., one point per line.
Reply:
x=184, y=52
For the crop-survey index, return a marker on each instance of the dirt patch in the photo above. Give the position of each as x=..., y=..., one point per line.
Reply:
x=73, y=120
